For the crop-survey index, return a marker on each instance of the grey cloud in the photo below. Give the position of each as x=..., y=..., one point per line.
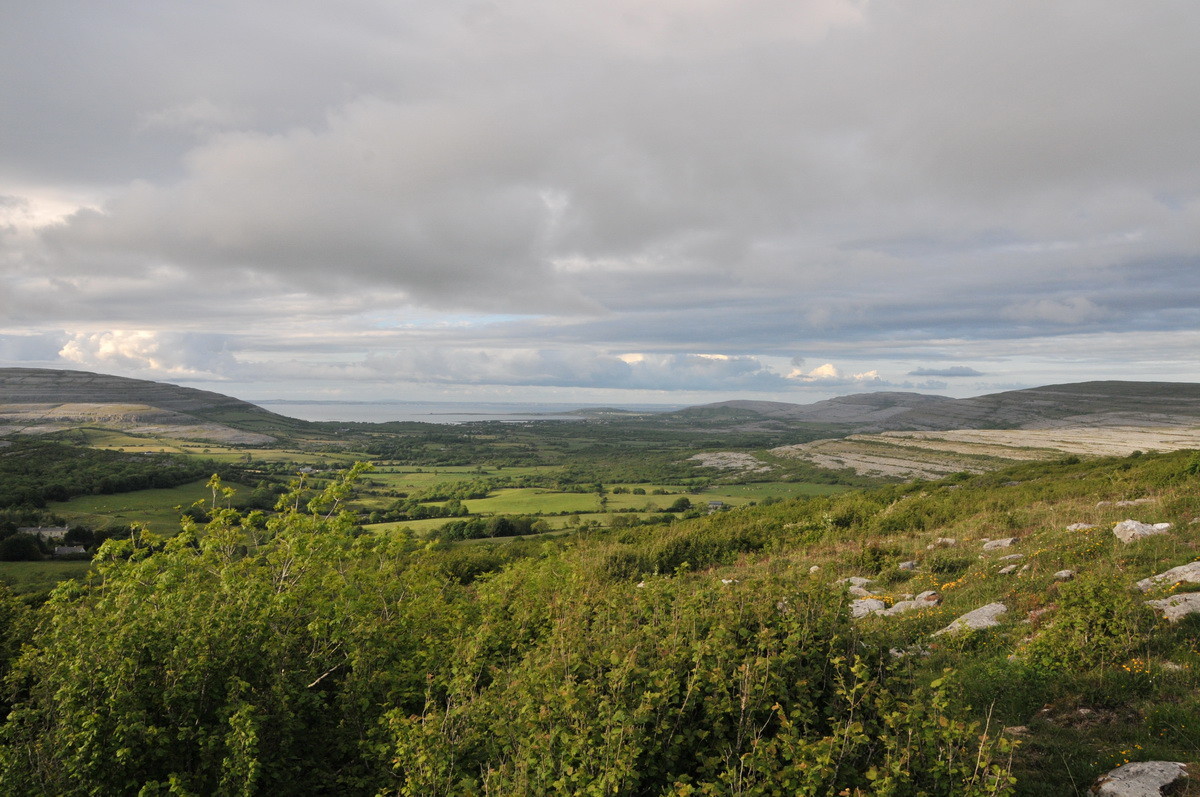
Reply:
x=744, y=180
x=953, y=371
x=36, y=348
x=1073, y=310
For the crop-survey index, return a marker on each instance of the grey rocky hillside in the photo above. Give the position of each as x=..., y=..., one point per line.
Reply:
x=41, y=400
x=1111, y=403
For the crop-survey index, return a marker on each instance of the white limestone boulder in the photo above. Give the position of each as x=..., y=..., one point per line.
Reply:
x=1189, y=574
x=995, y=545
x=865, y=606
x=1128, y=531
x=983, y=617
x=1176, y=607
x=926, y=600
x=1140, y=779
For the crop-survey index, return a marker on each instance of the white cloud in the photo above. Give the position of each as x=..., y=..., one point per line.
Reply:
x=826, y=371
x=828, y=374
x=158, y=354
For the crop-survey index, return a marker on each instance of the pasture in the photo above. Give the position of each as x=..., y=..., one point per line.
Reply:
x=159, y=509
x=24, y=577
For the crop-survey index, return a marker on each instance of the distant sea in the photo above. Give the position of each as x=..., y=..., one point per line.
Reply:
x=439, y=412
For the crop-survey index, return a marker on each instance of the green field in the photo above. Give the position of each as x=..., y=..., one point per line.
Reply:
x=419, y=527
x=564, y=510
x=532, y=501
x=39, y=576
x=158, y=509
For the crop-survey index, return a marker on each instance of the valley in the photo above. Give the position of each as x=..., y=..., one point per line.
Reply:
x=996, y=608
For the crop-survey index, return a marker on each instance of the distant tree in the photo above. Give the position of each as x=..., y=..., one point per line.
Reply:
x=20, y=548
x=682, y=504
x=79, y=535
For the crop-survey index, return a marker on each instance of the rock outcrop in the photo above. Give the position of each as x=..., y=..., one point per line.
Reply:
x=1176, y=607
x=926, y=600
x=865, y=606
x=1140, y=779
x=1128, y=531
x=1188, y=574
x=983, y=617
x=995, y=545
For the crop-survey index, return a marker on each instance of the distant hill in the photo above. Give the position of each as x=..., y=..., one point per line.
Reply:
x=906, y=435
x=42, y=400
x=861, y=408
x=1110, y=403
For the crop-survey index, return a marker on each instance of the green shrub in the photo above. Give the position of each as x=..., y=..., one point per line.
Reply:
x=690, y=687
x=622, y=566
x=948, y=563
x=1097, y=623
x=874, y=558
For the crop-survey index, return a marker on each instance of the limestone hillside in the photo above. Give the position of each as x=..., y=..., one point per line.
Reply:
x=1141, y=404
x=1063, y=596
x=37, y=400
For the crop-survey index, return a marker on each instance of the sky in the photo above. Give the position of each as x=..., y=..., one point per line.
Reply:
x=670, y=201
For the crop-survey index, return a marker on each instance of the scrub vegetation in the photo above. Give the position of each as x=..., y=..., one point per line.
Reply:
x=296, y=651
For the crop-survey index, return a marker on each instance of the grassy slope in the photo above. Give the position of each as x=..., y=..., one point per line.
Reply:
x=1094, y=684
x=1092, y=676
x=1081, y=673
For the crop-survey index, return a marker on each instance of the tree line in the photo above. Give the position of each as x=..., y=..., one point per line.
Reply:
x=33, y=473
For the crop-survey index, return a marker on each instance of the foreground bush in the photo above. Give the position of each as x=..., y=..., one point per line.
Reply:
x=684, y=686
x=300, y=656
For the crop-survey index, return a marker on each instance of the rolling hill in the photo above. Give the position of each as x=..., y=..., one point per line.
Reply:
x=906, y=435
x=38, y=400
x=1111, y=403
